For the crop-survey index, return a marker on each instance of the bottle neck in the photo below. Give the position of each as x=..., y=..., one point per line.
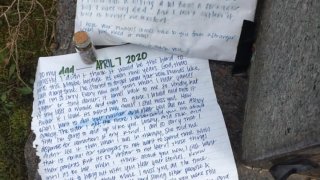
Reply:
x=81, y=48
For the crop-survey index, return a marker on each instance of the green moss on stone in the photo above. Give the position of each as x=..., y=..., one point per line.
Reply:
x=15, y=107
x=12, y=140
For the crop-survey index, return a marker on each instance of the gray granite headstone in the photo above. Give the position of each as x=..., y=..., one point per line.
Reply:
x=282, y=118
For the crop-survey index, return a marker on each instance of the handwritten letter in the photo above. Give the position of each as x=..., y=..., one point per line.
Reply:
x=135, y=114
x=208, y=29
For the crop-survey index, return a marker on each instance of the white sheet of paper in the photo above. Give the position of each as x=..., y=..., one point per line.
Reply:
x=151, y=116
x=208, y=29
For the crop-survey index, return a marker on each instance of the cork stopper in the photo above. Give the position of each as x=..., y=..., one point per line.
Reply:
x=81, y=39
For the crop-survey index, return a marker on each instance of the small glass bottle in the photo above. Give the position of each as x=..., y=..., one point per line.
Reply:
x=84, y=47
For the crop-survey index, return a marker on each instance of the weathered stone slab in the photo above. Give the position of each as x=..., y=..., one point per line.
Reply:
x=282, y=118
